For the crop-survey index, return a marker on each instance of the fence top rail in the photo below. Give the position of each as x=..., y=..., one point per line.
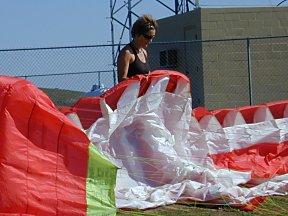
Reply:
x=155, y=43
x=53, y=48
x=220, y=40
x=61, y=74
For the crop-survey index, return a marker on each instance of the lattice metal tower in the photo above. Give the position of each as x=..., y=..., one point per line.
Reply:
x=280, y=3
x=123, y=13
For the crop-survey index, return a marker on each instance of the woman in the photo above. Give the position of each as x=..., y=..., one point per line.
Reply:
x=133, y=59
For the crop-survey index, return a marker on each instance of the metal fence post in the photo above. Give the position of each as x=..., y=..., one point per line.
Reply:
x=249, y=72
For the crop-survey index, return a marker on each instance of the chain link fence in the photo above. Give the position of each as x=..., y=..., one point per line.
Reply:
x=228, y=73
x=224, y=73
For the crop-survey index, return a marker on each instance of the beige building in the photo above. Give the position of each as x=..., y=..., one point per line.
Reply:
x=235, y=70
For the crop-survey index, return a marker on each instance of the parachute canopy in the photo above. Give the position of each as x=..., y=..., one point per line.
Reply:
x=164, y=151
x=167, y=151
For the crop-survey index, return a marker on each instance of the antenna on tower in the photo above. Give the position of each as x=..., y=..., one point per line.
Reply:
x=123, y=14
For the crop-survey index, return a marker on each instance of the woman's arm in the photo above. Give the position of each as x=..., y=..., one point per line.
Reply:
x=123, y=62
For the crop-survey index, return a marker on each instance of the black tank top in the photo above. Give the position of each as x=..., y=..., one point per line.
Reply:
x=137, y=66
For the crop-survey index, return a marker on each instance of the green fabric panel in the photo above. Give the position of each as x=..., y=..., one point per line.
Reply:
x=100, y=184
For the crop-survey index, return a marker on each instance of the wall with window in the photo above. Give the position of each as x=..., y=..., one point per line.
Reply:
x=203, y=62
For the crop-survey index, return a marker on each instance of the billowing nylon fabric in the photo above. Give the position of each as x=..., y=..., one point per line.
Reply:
x=168, y=152
x=44, y=157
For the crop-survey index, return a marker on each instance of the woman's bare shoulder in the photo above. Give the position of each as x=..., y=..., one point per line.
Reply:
x=126, y=52
x=126, y=49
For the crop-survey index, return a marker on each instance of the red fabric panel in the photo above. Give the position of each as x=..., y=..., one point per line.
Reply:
x=248, y=113
x=265, y=160
x=220, y=114
x=112, y=95
x=43, y=157
x=277, y=108
x=253, y=203
x=171, y=73
x=88, y=110
x=200, y=112
x=144, y=85
x=66, y=110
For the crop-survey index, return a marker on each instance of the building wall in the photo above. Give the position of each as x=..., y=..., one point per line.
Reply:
x=182, y=27
x=220, y=23
x=212, y=66
x=227, y=64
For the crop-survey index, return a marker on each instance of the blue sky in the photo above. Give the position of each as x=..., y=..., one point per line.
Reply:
x=39, y=23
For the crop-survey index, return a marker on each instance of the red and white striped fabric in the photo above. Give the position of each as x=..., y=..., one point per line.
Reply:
x=168, y=152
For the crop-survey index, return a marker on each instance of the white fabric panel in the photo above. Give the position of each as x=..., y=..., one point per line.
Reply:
x=210, y=123
x=233, y=118
x=158, y=85
x=105, y=108
x=285, y=114
x=244, y=136
x=130, y=94
x=183, y=88
x=75, y=119
x=262, y=114
x=282, y=124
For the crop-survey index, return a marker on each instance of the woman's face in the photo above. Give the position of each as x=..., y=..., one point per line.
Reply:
x=147, y=37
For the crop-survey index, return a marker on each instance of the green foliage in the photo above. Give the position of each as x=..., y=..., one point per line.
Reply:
x=62, y=97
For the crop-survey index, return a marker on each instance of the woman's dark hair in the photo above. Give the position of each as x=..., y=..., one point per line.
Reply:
x=143, y=24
